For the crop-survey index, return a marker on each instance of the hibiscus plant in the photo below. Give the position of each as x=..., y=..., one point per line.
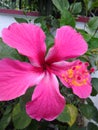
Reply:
x=47, y=73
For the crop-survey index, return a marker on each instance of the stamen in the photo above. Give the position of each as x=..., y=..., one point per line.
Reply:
x=80, y=63
x=74, y=68
x=74, y=82
x=92, y=70
x=77, y=75
x=70, y=73
x=78, y=78
x=86, y=64
x=84, y=81
x=78, y=67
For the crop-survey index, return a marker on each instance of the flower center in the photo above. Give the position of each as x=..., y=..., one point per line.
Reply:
x=77, y=75
x=46, y=67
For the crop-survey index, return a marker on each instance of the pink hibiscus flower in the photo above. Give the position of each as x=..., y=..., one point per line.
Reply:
x=16, y=77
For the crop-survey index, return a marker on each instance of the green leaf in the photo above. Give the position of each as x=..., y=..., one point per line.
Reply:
x=49, y=41
x=93, y=33
x=42, y=20
x=88, y=4
x=76, y=8
x=93, y=43
x=95, y=118
x=65, y=115
x=69, y=114
x=75, y=127
x=92, y=26
x=94, y=92
x=73, y=113
x=21, y=20
x=26, y=98
x=5, y=120
x=88, y=111
x=67, y=19
x=92, y=126
x=61, y=127
x=49, y=37
x=95, y=83
x=6, y=51
x=89, y=101
x=95, y=4
x=34, y=125
x=85, y=35
x=61, y=4
x=93, y=23
x=20, y=118
x=43, y=125
x=39, y=19
x=95, y=115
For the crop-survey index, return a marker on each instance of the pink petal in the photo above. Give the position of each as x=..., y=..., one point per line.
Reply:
x=68, y=44
x=75, y=75
x=47, y=102
x=59, y=68
x=82, y=91
x=28, y=39
x=16, y=77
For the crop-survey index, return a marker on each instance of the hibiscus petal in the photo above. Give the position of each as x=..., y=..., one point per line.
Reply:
x=16, y=77
x=74, y=75
x=28, y=39
x=68, y=44
x=82, y=91
x=47, y=102
x=59, y=68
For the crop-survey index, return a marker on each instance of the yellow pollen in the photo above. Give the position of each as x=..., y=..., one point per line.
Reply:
x=78, y=67
x=70, y=76
x=66, y=79
x=70, y=73
x=83, y=82
x=74, y=82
